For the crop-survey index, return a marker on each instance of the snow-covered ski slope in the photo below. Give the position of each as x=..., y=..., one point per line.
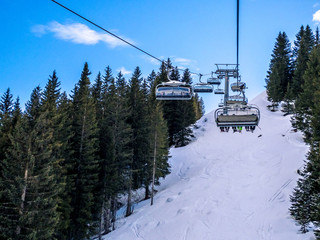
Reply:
x=226, y=186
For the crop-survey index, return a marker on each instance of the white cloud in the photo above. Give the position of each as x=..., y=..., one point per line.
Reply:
x=316, y=16
x=77, y=33
x=124, y=71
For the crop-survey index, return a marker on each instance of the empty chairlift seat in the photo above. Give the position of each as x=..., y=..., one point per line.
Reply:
x=219, y=91
x=237, y=99
x=214, y=81
x=173, y=90
x=202, y=88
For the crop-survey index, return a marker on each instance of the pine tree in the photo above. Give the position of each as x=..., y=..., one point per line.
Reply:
x=31, y=171
x=12, y=184
x=305, y=200
x=53, y=104
x=303, y=49
x=300, y=209
x=198, y=105
x=140, y=133
x=85, y=163
x=280, y=69
x=6, y=112
x=316, y=41
x=306, y=100
x=159, y=147
x=9, y=216
x=33, y=106
x=170, y=108
x=297, y=44
x=64, y=134
x=186, y=116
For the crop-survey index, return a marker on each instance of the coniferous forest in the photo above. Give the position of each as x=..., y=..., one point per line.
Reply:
x=294, y=79
x=66, y=161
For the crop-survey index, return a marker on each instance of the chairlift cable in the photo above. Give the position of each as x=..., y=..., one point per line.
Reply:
x=237, y=40
x=114, y=35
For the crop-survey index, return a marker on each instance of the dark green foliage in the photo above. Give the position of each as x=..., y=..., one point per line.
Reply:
x=85, y=159
x=316, y=40
x=280, y=69
x=186, y=116
x=305, y=199
x=6, y=115
x=32, y=170
x=138, y=121
x=63, y=134
x=305, y=103
x=198, y=105
x=301, y=198
x=63, y=163
x=303, y=49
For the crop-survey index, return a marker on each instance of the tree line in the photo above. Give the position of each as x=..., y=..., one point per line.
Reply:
x=66, y=160
x=294, y=78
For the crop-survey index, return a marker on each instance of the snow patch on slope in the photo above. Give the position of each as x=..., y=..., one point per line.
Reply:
x=225, y=186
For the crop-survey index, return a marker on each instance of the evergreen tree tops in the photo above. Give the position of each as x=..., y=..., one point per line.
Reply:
x=65, y=161
x=302, y=49
x=280, y=69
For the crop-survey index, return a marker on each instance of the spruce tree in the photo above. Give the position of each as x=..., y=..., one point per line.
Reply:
x=140, y=133
x=316, y=40
x=280, y=69
x=303, y=49
x=6, y=114
x=85, y=163
x=306, y=100
x=64, y=134
x=186, y=115
x=52, y=107
x=30, y=169
x=305, y=199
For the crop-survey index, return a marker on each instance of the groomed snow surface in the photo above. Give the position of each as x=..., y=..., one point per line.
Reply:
x=225, y=186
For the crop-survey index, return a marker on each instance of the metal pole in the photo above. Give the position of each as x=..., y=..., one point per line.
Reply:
x=237, y=41
x=226, y=90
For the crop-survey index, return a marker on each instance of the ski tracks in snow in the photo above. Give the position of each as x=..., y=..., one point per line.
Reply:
x=278, y=194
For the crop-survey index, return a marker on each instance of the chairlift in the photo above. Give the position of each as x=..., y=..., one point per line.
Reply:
x=238, y=86
x=247, y=116
x=214, y=81
x=202, y=88
x=237, y=99
x=219, y=91
x=220, y=104
x=173, y=90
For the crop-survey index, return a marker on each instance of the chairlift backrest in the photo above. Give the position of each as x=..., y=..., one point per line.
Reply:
x=173, y=90
x=214, y=81
x=233, y=117
x=219, y=91
x=202, y=88
x=238, y=86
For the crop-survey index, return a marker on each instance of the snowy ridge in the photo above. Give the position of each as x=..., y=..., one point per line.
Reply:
x=225, y=186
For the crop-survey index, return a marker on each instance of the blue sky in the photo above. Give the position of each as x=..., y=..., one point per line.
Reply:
x=39, y=37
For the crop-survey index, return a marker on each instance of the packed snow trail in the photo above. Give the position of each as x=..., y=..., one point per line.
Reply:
x=225, y=186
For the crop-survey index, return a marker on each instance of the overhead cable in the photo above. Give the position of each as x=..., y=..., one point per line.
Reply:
x=114, y=35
